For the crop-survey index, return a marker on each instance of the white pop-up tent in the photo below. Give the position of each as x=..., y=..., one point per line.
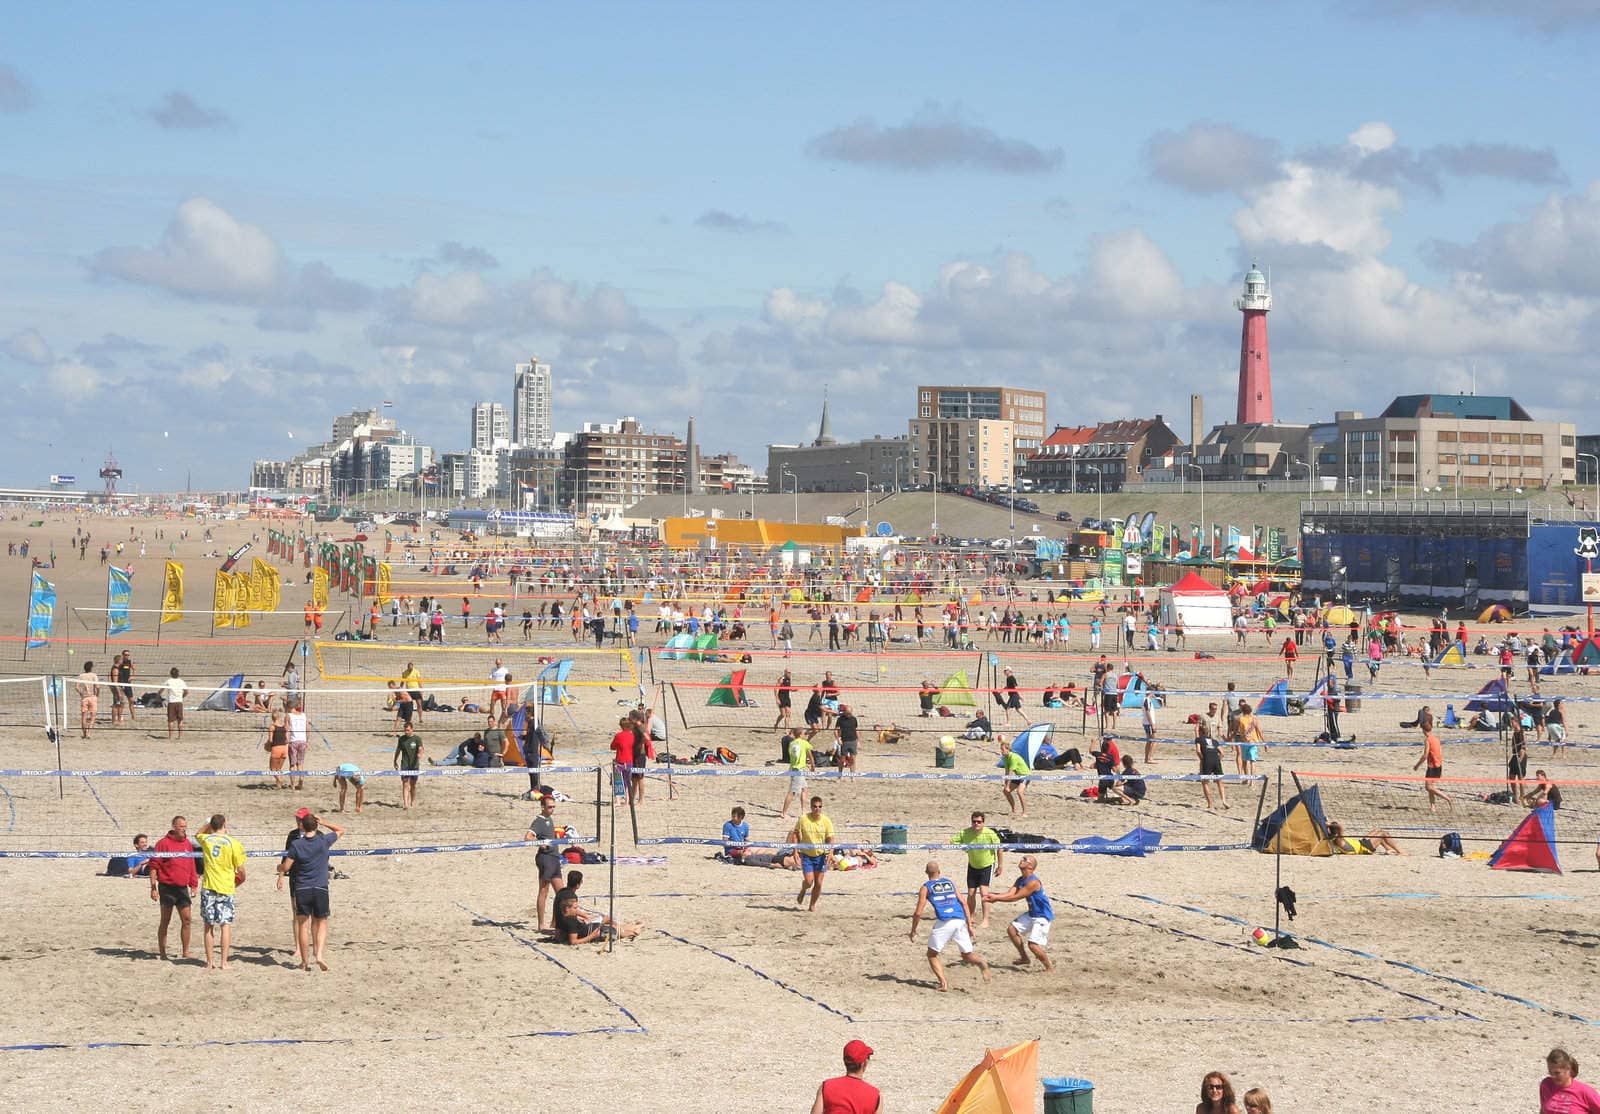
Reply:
x=1199, y=604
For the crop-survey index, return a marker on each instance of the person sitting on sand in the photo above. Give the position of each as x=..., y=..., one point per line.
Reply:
x=1543, y=792
x=979, y=727
x=1375, y=842
x=894, y=733
x=571, y=928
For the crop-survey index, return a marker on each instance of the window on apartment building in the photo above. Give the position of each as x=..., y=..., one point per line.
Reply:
x=1474, y=438
x=1447, y=458
x=1447, y=435
x=1533, y=439
x=1506, y=439
x=1568, y=442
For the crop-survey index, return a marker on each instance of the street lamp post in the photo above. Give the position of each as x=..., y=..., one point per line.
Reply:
x=796, y=480
x=934, y=530
x=1203, y=524
x=1293, y=460
x=866, y=499
x=1596, y=459
x=1100, y=487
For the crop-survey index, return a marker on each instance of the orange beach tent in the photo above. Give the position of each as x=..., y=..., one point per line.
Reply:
x=1004, y=1082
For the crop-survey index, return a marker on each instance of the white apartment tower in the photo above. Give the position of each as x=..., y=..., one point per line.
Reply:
x=530, y=406
x=489, y=425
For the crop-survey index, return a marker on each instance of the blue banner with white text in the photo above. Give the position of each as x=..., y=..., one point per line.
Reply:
x=119, y=597
x=41, y=611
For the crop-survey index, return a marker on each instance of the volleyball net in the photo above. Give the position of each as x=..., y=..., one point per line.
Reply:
x=1484, y=810
x=572, y=669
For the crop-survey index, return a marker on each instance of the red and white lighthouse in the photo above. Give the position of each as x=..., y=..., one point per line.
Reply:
x=1255, y=367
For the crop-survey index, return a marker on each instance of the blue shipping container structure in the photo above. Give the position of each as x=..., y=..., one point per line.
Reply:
x=1440, y=553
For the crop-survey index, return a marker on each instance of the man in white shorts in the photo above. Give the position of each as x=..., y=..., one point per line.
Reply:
x=953, y=927
x=497, y=681
x=1031, y=931
x=296, y=723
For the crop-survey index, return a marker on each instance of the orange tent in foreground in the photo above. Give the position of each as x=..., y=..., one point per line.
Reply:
x=1003, y=1083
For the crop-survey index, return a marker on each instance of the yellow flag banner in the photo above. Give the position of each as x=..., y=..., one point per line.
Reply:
x=383, y=584
x=172, y=593
x=319, y=587
x=261, y=575
x=222, y=601
x=274, y=588
x=241, y=599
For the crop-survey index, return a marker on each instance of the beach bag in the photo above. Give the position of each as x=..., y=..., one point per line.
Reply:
x=1450, y=845
x=117, y=866
x=726, y=756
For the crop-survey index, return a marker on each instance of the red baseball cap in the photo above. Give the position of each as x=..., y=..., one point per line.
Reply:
x=857, y=1052
x=301, y=814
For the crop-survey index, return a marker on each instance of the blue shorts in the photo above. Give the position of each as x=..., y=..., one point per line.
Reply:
x=814, y=864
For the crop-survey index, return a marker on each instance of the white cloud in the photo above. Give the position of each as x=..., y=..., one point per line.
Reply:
x=1208, y=157
x=1312, y=205
x=29, y=347
x=1556, y=249
x=1372, y=137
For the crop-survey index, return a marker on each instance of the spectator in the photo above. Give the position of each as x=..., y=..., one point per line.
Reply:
x=1216, y=1095
x=849, y=1093
x=1560, y=1091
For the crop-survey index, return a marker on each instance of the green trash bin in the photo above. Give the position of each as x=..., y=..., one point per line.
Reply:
x=944, y=754
x=894, y=839
x=1068, y=1096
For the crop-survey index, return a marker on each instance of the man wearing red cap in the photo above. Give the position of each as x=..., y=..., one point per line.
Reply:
x=849, y=1093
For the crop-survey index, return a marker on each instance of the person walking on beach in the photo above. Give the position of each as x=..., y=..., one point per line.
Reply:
x=87, y=689
x=408, y=760
x=1433, y=756
x=308, y=858
x=547, y=859
x=954, y=925
x=1030, y=932
x=849, y=1093
x=172, y=693
x=815, y=832
x=801, y=759
x=122, y=676
x=174, y=882
x=224, y=871
x=985, y=858
x=296, y=725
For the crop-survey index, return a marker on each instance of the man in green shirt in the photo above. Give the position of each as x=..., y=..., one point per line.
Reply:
x=800, y=760
x=983, y=860
x=1016, y=770
x=408, y=756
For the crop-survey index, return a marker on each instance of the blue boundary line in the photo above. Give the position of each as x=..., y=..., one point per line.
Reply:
x=758, y=973
x=101, y=803
x=11, y=803
x=277, y=1041
x=1400, y=964
x=639, y=1027
x=1252, y=950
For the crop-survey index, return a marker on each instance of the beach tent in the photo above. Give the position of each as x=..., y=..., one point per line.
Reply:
x=1004, y=1082
x=864, y=596
x=1339, y=616
x=1453, y=654
x=1135, y=843
x=701, y=644
x=1134, y=689
x=1495, y=613
x=1532, y=846
x=1298, y=823
x=730, y=693
x=1587, y=652
x=1030, y=741
x=222, y=699
x=796, y=596
x=676, y=645
x=1197, y=603
x=1491, y=698
x=552, y=682
x=913, y=597
x=956, y=692
x=1276, y=701
x=1561, y=664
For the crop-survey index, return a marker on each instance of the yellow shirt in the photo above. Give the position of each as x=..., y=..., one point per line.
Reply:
x=223, y=855
x=814, y=831
x=798, y=750
x=411, y=678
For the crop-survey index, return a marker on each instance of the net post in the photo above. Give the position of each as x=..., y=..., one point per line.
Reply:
x=611, y=870
x=1277, y=865
x=673, y=686
x=599, y=797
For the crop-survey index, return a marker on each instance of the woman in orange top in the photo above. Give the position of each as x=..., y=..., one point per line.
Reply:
x=1433, y=755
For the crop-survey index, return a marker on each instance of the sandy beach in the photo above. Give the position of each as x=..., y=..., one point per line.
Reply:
x=1437, y=982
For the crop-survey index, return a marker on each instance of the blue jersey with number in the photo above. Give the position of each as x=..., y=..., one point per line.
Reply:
x=942, y=896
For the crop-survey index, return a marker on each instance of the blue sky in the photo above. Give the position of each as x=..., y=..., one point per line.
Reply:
x=227, y=225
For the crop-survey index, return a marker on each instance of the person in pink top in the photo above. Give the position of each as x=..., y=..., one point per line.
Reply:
x=1561, y=1092
x=849, y=1093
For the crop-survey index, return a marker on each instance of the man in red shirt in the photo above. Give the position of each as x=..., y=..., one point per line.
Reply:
x=174, y=882
x=849, y=1093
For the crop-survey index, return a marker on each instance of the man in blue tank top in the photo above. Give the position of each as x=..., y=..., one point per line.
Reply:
x=1031, y=931
x=954, y=925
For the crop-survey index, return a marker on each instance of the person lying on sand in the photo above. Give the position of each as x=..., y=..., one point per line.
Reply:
x=1375, y=842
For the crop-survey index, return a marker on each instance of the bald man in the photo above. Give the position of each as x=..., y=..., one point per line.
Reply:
x=954, y=925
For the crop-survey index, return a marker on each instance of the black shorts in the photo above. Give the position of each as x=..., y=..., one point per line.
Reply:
x=549, y=864
x=979, y=876
x=175, y=896
x=1109, y=702
x=1211, y=762
x=1433, y=773
x=405, y=711
x=311, y=903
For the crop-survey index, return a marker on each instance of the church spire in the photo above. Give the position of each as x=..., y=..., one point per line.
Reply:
x=825, y=428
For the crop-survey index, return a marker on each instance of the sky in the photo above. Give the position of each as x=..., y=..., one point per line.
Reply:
x=223, y=225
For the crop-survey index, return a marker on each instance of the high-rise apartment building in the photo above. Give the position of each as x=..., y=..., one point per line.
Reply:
x=1024, y=409
x=530, y=405
x=490, y=425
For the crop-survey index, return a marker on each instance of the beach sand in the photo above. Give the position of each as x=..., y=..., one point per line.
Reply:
x=1437, y=983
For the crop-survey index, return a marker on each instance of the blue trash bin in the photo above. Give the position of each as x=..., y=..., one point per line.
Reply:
x=1066, y=1095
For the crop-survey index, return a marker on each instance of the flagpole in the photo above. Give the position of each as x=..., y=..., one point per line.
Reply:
x=105, y=638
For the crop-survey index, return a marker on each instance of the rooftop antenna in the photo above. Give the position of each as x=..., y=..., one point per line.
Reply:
x=1473, y=367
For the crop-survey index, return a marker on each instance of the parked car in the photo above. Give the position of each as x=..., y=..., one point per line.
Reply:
x=1001, y=543
x=1063, y=516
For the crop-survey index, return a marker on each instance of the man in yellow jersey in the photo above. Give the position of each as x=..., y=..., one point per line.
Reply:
x=813, y=831
x=800, y=760
x=411, y=681
x=223, y=871
x=984, y=860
